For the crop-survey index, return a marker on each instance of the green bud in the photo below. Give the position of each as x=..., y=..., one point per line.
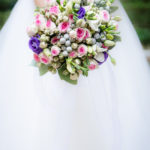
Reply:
x=50, y=68
x=90, y=49
x=61, y=56
x=56, y=59
x=47, y=52
x=117, y=18
x=109, y=43
x=74, y=45
x=53, y=18
x=89, y=41
x=56, y=65
x=70, y=68
x=65, y=72
x=110, y=36
x=74, y=76
x=103, y=27
x=78, y=61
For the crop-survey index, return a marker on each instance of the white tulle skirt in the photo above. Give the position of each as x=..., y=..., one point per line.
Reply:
x=109, y=110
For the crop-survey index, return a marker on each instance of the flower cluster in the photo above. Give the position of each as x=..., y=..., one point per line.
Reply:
x=73, y=37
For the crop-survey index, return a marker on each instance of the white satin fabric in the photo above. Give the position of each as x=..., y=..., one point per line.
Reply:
x=109, y=110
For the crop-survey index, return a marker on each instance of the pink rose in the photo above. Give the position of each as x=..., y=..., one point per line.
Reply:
x=54, y=40
x=50, y=25
x=44, y=59
x=63, y=27
x=36, y=57
x=82, y=50
x=73, y=54
x=55, y=51
x=54, y=10
x=105, y=15
x=80, y=33
x=87, y=34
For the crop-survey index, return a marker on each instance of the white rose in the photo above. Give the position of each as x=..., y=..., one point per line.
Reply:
x=73, y=34
x=104, y=14
x=32, y=30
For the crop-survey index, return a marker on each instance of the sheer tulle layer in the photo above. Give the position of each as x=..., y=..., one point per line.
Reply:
x=108, y=110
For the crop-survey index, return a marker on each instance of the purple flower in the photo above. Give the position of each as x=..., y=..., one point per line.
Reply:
x=34, y=44
x=81, y=13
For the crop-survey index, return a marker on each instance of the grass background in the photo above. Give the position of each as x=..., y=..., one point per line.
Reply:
x=138, y=11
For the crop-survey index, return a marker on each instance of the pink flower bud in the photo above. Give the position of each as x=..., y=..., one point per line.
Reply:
x=71, y=18
x=36, y=57
x=44, y=59
x=93, y=65
x=54, y=40
x=105, y=47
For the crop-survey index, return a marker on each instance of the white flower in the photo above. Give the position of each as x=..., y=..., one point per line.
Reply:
x=100, y=57
x=69, y=7
x=104, y=14
x=73, y=34
x=81, y=23
x=32, y=30
x=94, y=24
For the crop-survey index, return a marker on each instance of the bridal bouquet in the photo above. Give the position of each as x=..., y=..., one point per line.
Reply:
x=73, y=37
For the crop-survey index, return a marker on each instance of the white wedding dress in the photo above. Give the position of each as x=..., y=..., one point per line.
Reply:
x=109, y=110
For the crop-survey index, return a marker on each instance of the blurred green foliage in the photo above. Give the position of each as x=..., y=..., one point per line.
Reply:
x=138, y=11
x=5, y=9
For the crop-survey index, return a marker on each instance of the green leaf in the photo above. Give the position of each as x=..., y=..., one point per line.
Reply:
x=117, y=38
x=58, y=1
x=61, y=8
x=65, y=3
x=65, y=77
x=113, y=9
x=43, y=69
